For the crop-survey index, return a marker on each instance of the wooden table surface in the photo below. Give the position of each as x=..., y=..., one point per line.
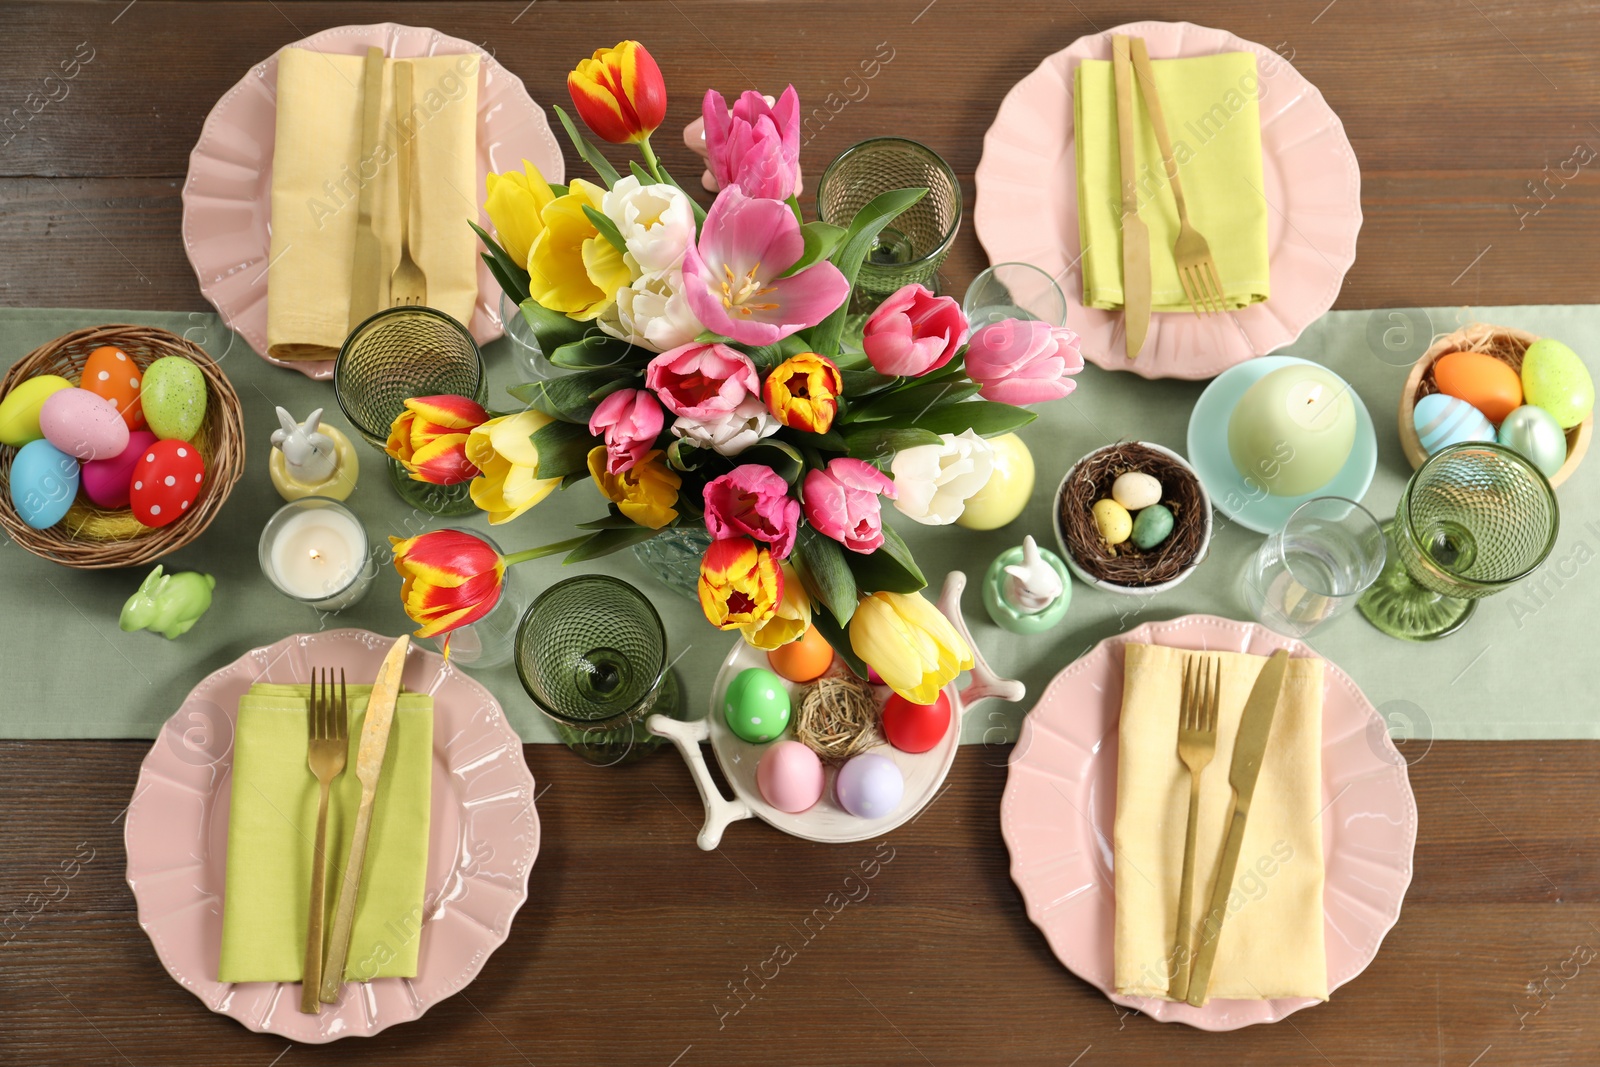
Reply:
x=1468, y=118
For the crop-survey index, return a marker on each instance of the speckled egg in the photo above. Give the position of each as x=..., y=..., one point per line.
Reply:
x=19, y=409
x=756, y=705
x=1135, y=490
x=869, y=786
x=107, y=482
x=790, y=776
x=1152, y=526
x=1113, y=521
x=111, y=373
x=166, y=481
x=1486, y=383
x=1445, y=420
x=1535, y=434
x=173, y=397
x=1554, y=378
x=44, y=480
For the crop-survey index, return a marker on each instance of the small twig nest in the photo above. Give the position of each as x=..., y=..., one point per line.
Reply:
x=1127, y=564
x=838, y=717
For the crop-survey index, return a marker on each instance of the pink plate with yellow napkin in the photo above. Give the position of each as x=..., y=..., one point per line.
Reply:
x=483, y=837
x=227, y=198
x=1059, y=815
x=1309, y=199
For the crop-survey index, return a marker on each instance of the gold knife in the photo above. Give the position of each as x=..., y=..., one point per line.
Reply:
x=1250, y=744
x=1135, y=236
x=369, y=764
x=367, y=275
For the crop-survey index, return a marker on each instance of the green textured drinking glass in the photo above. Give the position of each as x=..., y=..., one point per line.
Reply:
x=397, y=354
x=913, y=245
x=592, y=654
x=1474, y=519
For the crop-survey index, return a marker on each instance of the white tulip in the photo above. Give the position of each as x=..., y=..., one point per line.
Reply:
x=934, y=482
x=652, y=312
x=656, y=223
x=734, y=432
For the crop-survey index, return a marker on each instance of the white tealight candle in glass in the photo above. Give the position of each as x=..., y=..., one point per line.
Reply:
x=315, y=550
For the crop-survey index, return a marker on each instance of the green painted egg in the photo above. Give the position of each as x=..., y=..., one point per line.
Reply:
x=173, y=398
x=1533, y=432
x=1152, y=526
x=1554, y=378
x=756, y=705
x=19, y=409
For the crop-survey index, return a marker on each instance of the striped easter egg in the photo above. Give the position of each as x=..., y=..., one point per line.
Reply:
x=1444, y=420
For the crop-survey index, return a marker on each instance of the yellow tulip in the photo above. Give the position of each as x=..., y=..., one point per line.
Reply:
x=572, y=269
x=645, y=492
x=503, y=450
x=788, y=623
x=515, y=204
x=909, y=643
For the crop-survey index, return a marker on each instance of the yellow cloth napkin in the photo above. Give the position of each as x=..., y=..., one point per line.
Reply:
x=1215, y=127
x=273, y=823
x=1272, y=938
x=317, y=173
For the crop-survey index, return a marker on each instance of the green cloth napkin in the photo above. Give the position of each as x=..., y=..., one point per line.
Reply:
x=1215, y=127
x=273, y=824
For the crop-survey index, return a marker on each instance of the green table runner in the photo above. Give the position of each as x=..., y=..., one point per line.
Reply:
x=1517, y=670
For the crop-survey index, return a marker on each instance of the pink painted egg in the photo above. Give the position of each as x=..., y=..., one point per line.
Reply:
x=107, y=482
x=110, y=372
x=790, y=776
x=166, y=481
x=82, y=424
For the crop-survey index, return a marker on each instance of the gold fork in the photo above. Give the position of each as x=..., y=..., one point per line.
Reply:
x=327, y=747
x=1197, y=743
x=1197, y=271
x=408, y=286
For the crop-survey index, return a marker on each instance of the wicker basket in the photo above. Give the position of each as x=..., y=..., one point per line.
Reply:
x=1505, y=343
x=92, y=538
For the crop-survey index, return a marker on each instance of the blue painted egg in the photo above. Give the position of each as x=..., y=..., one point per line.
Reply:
x=44, y=481
x=1443, y=420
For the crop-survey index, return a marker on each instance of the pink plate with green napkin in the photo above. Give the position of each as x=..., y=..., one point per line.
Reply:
x=1327, y=854
x=218, y=838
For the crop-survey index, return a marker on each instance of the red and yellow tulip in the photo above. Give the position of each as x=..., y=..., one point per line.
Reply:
x=449, y=578
x=429, y=438
x=790, y=620
x=740, y=583
x=803, y=391
x=619, y=92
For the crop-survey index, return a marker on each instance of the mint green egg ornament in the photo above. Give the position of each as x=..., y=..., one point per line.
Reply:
x=756, y=705
x=1152, y=526
x=1534, y=432
x=173, y=398
x=1554, y=378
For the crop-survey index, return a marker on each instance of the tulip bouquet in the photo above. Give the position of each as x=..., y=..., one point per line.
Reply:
x=708, y=380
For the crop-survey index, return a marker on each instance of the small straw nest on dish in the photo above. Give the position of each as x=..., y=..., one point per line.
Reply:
x=838, y=717
x=1127, y=564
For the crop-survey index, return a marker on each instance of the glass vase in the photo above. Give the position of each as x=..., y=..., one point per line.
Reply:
x=673, y=558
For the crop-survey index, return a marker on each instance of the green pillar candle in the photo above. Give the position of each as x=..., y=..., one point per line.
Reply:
x=1292, y=431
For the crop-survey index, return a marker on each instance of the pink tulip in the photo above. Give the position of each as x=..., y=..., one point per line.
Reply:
x=842, y=503
x=702, y=382
x=630, y=420
x=756, y=145
x=1018, y=361
x=733, y=279
x=753, y=501
x=913, y=332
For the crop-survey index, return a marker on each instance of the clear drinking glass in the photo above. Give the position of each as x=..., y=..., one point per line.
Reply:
x=592, y=653
x=397, y=354
x=1014, y=291
x=1315, y=567
x=912, y=246
x=490, y=641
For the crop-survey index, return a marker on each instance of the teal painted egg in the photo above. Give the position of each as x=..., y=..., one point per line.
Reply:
x=756, y=705
x=173, y=398
x=1554, y=378
x=1443, y=420
x=1152, y=526
x=44, y=481
x=1535, y=433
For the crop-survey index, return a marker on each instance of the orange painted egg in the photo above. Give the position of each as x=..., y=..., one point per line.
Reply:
x=1482, y=381
x=802, y=660
x=111, y=373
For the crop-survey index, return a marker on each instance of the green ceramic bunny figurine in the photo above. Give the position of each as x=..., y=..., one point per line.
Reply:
x=168, y=604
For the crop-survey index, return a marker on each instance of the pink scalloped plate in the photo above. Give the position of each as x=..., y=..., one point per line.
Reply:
x=482, y=843
x=1060, y=803
x=227, y=198
x=1027, y=206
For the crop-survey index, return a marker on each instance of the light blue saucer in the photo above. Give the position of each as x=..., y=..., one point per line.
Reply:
x=1247, y=502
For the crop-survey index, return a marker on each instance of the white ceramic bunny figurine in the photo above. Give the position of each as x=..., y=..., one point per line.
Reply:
x=1033, y=585
x=309, y=459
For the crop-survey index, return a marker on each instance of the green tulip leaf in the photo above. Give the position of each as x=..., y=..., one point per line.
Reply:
x=684, y=455
x=986, y=418
x=598, y=351
x=605, y=542
x=782, y=457
x=821, y=238
x=878, y=445
x=864, y=383
x=822, y=567
x=616, y=520
x=563, y=449
x=512, y=276
x=912, y=403
x=591, y=155
x=551, y=329
x=852, y=252
x=891, y=568
x=570, y=397
x=835, y=635
x=606, y=228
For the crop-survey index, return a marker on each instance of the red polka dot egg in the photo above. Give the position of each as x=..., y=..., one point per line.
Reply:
x=166, y=481
x=110, y=373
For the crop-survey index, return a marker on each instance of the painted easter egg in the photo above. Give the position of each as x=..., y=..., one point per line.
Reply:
x=1008, y=489
x=1135, y=490
x=44, y=480
x=803, y=659
x=1443, y=420
x=110, y=372
x=870, y=786
x=1152, y=526
x=19, y=409
x=1554, y=378
x=107, y=482
x=916, y=727
x=166, y=481
x=82, y=424
x=756, y=705
x=173, y=397
x=790, y=776
x=1481, y=380
x=1535, y=434
x=1113, y=521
